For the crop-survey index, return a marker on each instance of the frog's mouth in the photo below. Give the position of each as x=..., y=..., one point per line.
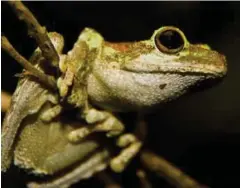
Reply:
x=214, y=66
x=177, y=68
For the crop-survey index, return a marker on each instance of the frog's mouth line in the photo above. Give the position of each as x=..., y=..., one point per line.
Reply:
x=173, y=72
x=209, y=71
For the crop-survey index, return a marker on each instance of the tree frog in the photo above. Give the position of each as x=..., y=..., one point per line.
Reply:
x=100, y=78
x=141, y=75
x=131, y=76
x=134, y=76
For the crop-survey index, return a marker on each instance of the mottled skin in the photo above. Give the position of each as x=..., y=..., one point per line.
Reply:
x=137, y=76
x=128, y=76
x=131, y=76
x=115, y=77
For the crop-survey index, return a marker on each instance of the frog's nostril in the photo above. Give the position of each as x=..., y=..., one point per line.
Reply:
x=223, y=64
x=223, y=58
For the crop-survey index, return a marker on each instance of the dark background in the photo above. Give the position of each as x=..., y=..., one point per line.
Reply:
x=199, y=133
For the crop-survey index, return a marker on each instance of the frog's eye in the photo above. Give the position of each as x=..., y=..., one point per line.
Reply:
x=169, y=40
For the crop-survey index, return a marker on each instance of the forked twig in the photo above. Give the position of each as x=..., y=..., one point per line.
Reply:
x=164, y=169
x=47, y=80
x=36, y=31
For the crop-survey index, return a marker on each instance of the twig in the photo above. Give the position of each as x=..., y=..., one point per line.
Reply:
x=5, y=101
x=143, y=179
x=108, y=181
x=36, y=31
x=163, y=168
x=47, y=80
x=141, y=128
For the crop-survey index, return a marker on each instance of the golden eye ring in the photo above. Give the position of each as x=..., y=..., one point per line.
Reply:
x=169, y=40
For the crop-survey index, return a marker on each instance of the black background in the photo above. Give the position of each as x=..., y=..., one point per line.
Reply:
x=200, y=133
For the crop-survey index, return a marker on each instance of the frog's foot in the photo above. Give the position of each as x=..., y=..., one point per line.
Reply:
x=111, y=125
x=63, y=83
x=51, y=113
x=132, y=144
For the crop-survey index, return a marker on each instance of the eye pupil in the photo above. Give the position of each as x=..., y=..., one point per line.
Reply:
x=169, y=41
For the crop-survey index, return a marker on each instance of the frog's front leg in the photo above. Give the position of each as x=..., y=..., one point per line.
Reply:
x=64, y=82
x=99, y=121
x=131, y=144
x=74, y=67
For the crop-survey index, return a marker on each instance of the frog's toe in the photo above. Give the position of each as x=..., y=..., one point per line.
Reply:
x=51, y=113
x=78, y=134
x=120, y=162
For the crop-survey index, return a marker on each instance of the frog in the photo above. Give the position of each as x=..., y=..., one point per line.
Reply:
x=132, y=76
x=101, y=79
x=138, y=76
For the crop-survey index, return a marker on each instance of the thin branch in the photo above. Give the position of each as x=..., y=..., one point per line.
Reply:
x=36, y=31
x=145, y=183
x=166, y=170
x=5, y=101
x=107, y=180
x=47, y=80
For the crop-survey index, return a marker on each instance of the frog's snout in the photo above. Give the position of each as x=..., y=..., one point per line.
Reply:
x=223, y=64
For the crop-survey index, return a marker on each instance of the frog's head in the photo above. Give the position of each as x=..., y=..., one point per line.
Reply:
x=146, y=73
x=169, y=51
